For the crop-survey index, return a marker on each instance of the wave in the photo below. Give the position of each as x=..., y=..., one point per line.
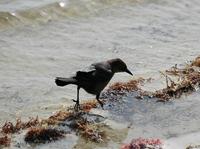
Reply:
x=53, y=11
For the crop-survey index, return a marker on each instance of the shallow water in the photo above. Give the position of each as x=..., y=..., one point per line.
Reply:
x=44, y=39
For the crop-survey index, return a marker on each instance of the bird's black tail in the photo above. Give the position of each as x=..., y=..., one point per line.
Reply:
x=65, y=81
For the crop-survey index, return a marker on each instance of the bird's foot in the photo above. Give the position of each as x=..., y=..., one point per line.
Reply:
x=77, y=107
x=74, y=100
x=101, y=104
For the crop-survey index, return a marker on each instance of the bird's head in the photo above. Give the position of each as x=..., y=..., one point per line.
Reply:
x=117, y=65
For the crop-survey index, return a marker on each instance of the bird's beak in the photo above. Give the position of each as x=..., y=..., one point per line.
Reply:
x=129, y=72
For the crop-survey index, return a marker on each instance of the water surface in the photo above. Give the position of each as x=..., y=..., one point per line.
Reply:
x=44, y=39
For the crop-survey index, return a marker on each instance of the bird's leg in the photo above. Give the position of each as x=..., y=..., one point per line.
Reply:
x=100, y=102
x=77, y=105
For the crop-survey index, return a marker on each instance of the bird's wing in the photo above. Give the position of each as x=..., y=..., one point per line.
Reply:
x=95, y=79
x=94, y=72
x=85, y=79
x=102, y=67
x=85, y=74
x=97, y=67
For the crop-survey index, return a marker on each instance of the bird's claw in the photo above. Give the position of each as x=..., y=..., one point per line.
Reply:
x=74, y=100
x=101, y=104
x=77, y=107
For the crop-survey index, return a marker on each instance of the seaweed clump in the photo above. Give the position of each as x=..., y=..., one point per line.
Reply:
x=175, y=90
x=75, y=121
x=196, y=62
x=61, y=116
x=193, y=147
x=120, y=89
x=85, y=128
x=57, y=117
x=87, y=106
x=188, y=82
x=42, y=135
x=38, y=134
x=185, y=81
x=141, y=143
x=9, y=127
x=5, y=141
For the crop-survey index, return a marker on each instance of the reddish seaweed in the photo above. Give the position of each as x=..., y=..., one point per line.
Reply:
x=132, y=85
x=9, y=127
x=87, y=106
x=63, y=115
x=141, y=143
x=57, y=117
x=78, y=124
x=41, y=134
x=5, y=141
x=119, y=89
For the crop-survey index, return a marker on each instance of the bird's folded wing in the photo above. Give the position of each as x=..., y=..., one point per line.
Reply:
x=84, y=77
x=99, y=67
x=102, y=67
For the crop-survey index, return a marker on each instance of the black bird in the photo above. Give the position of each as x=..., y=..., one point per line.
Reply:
x=94, y=80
